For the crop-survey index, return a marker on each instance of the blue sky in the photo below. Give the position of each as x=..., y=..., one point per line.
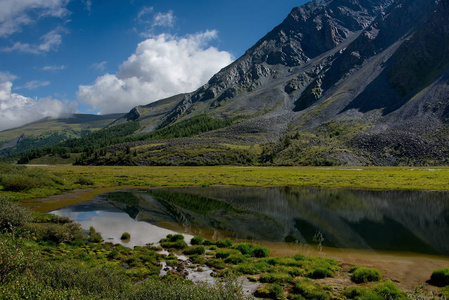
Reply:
x=106, y=56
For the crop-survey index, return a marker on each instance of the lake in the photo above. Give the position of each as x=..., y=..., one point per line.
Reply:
x=398, y=221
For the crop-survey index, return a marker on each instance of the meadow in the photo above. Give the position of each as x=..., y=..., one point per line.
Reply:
x=45, y=245
x=70, y=178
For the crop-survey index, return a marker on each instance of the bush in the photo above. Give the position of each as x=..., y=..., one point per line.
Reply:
x=224, y=253
x=361, y=294
x=180, y=290
x=227, y=243
x=278, y=278
x=260, y=251
x=50, y=218
x=13, y=260
x=173, y=242
x=252, y=250
x=236, y=259
x=440, y=277
x=320, y=273
x=85, y=181
x=364, y=275
x=388, y=290
x=125, y=236
x=12, y=215
x=195, y=250
x=272, y=291
x=57, y=233
x=94, y=237
x=19, y=182
x=310, y=290
x=196, y=240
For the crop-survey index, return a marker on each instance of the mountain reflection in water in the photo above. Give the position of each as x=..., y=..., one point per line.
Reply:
x=393, y=220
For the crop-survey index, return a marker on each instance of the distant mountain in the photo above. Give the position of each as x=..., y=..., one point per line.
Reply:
x=49, y=132
x=338, y=82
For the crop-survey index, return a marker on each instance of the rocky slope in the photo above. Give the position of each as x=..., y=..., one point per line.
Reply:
x=337, y=82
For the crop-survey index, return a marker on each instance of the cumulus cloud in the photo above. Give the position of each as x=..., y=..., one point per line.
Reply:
x=15, y=14
x=17, y=110
x=160, y=67
x=50, y=42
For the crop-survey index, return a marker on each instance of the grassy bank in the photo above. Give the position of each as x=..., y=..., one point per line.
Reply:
x=66, y=178
x=50, y=257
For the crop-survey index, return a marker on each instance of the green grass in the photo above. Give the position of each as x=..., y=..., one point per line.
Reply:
x=64, y=178
x=440, y=277
x=364, y=275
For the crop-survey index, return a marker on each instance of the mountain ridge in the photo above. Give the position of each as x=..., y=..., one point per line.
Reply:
x=338, y=82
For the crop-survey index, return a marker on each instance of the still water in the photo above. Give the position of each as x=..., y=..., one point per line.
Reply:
x=406, y=221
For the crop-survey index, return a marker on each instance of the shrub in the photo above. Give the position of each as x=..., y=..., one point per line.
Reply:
x=236, y=259
x=225, y=253
x=272, y=291
x=175, y=241
x=245, y=248
x=227, y=243
x=12, y=215
x=299, y=257
x=19, y=182
x=195, y=250
x=252, y=250
x=440, y=277
x=356, y=293
x=13, y=260
x=364, y=275
x=196, y=240
x=209, y=243
x=57, y=233
x=125, y=236
x=388, y=290
x=181, y=290
x=94, y=237
x=260, y=251
x=309, y=290
x=272, y=278
x=50, y=218
x=320, y=273
x=85, y=181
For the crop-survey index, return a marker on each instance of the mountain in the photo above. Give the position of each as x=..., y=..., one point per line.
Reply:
x=338, y=82
x=49, y=132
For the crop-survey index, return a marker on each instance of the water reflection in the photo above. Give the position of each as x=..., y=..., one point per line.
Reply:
x=111, y=222
x=394, y=220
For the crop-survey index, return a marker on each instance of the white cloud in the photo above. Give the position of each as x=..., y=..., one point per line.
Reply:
x=144, y=13
x=88, y=4
x=99, y=66
x=50, y=42
x=14, y=14
x=33, y=84
x=53, y=68
x=164, y=19
x=162, y=66
x=17, y=110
